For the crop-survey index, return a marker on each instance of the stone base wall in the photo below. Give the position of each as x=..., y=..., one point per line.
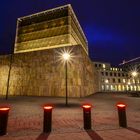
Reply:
x=41, y=73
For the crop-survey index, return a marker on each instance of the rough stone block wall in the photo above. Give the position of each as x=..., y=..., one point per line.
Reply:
x=40, y=73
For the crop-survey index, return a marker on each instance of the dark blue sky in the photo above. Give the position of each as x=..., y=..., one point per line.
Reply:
x=112, y=27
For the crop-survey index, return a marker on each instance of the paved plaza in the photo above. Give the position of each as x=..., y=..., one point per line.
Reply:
x=26, y=118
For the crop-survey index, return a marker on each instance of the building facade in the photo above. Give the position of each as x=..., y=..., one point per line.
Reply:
x=36, y=67
x=115, y=79
x=53, y=28
x=131, y=65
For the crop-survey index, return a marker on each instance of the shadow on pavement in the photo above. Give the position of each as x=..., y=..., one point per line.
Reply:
x=43, y=136
x=134, y=130
x=93, y=135
x=73, y=105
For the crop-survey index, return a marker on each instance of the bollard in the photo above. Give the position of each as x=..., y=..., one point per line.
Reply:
x=87, y=116
x=122, y=115
x=47, y=124
x=4, y=111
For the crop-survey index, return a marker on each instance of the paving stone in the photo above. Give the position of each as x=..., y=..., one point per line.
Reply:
x=26, y=119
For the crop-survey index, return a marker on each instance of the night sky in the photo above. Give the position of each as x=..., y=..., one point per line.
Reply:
x=112, y=27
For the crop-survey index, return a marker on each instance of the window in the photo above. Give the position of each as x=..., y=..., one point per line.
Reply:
x=103, y=87
x=99, y=65
x=133, y=81
x=131, y=88
x=106, y=73
x=134, y=88
x=119, y=87
x=114, y=74
x=123, y=88
x=127, y=87
x=107, y=87
x=113, y=80
x=112, y=87
x=106, y=81
x=95, y=65
x=102, y=73
x=138, y=88
x=119, y=80
x=110, y=73
x=103, y=80
x=116, y=87
x=119, y=74
x=124, y=80
x=104, y=66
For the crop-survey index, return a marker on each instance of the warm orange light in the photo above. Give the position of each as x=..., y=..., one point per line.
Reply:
x=134, y=73
x=86, y=106
x=121, y=105
x=66, y=56
x=48, y=107
x=4, y=109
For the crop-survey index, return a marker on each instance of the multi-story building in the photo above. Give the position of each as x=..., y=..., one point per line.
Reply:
x=49, y=29
x=131, y=65
x=115, y=78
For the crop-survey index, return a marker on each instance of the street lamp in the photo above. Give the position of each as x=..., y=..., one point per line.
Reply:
x=66, y=56
x=134, y=73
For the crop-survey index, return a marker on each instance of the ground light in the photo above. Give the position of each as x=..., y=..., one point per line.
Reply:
x=4, y=111
x=87, y=116
x=122, y=114
x=47, y=123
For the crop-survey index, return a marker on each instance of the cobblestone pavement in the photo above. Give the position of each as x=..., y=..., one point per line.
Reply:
x=26, y=118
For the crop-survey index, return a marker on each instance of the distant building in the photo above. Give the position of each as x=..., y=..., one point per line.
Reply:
x=130, y=65
x=115, y=79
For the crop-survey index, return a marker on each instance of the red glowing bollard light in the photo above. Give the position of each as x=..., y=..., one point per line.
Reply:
x=87, y=116
x=121, y=105
x=4, y=111
x=122, y=114
x=47, y=123
x=86, y=106
x=48, y=107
